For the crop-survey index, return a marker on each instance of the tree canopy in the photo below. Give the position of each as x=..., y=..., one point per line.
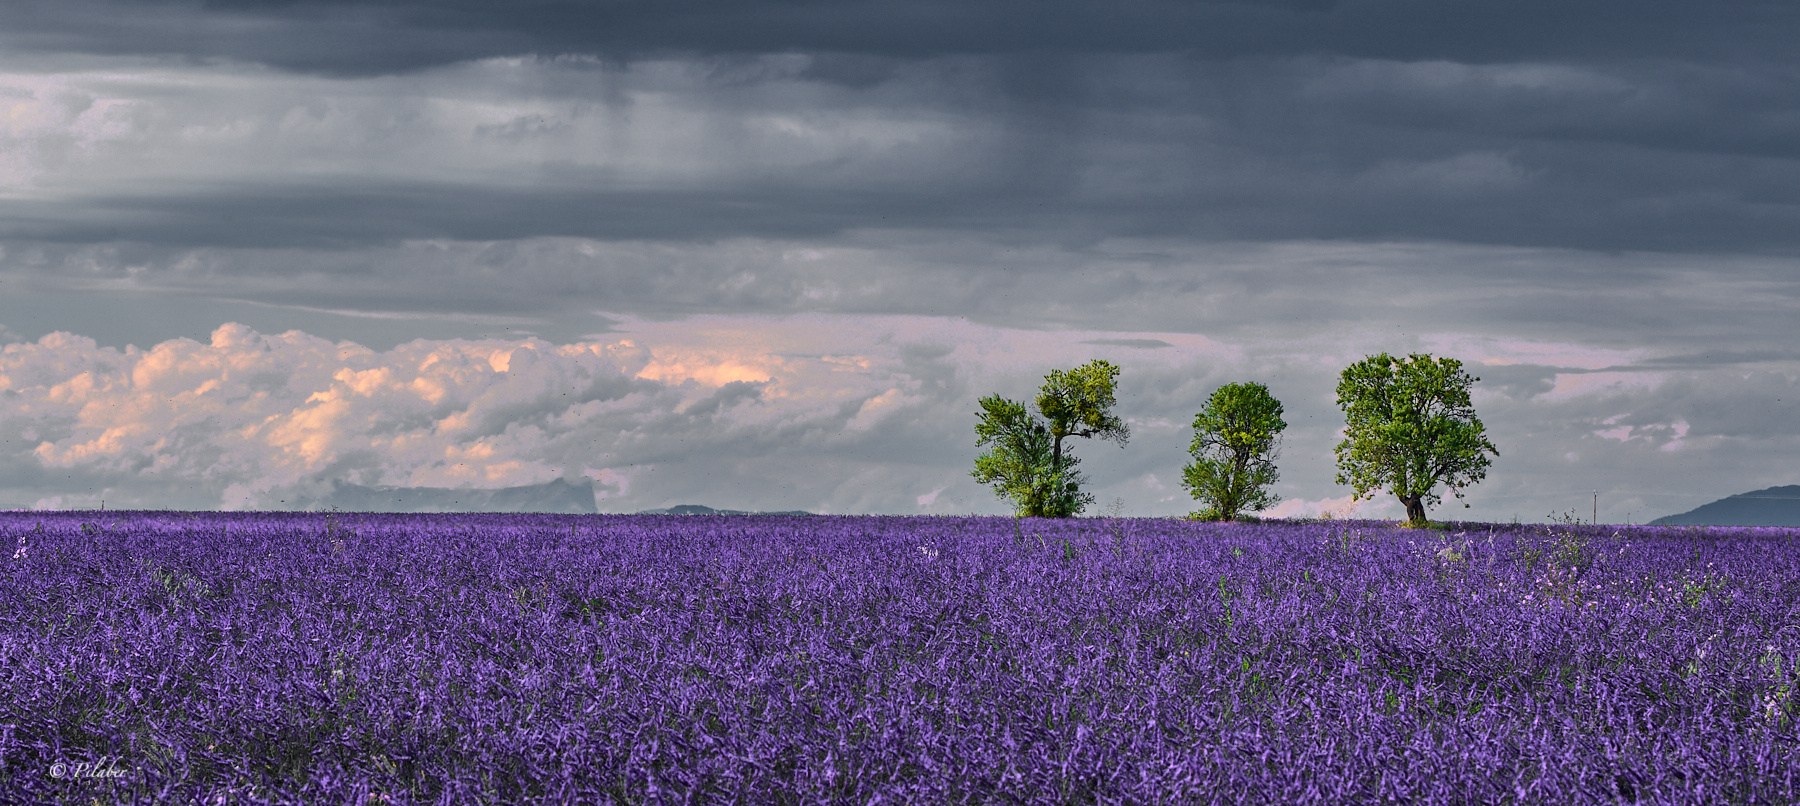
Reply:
x=1028, y=462
x=1234, y=450
x=1409, y=427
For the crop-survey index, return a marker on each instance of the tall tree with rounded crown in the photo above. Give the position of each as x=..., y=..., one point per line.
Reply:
x=1029, y=462
x=1409, y=427
x=1234, y=450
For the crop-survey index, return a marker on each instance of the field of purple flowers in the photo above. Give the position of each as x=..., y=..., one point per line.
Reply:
x=355, y=658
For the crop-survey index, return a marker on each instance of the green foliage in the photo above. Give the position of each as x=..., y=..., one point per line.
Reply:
x=1020, y=466
x=1409, y=427
x=1234, y=452
x=1078, y=403
x=1027, y=462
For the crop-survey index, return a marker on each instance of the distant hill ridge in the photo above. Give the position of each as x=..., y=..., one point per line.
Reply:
x=1776, y=506
x=561, y=497
x=696, y=509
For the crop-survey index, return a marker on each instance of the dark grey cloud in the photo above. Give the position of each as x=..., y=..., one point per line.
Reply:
x=728, y=395
x=1596, y=204
x=375, y=36
x=1657, y=155
x=1724, y=358
x=1730, y=311
x=1519, y=381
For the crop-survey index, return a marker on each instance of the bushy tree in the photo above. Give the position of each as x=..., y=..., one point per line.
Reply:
x=1234, y=450
x=1408, y=427
x=1028, y=462
x=1019, y=465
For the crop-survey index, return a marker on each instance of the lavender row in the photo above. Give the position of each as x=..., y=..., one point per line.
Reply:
x=239, y=658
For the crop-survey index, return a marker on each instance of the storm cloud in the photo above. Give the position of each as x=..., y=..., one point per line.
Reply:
x=1594, y=204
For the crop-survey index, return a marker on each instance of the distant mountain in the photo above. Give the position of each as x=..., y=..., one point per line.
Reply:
x=555, y=496
x=1776, y=506
x=696, y=509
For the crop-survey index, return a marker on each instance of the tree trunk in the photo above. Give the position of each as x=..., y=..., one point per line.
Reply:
x=1415, y=510
x=1053, y=506
x=1233, y=499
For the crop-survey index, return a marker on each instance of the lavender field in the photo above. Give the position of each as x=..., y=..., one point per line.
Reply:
x=352, y=658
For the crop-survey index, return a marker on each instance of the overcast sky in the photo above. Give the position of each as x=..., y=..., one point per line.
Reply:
x=767, y=255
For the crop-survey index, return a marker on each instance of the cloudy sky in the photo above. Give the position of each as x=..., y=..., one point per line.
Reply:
x=768, y=255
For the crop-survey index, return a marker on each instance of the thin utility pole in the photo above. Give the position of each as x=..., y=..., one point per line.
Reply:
x=1596, y=520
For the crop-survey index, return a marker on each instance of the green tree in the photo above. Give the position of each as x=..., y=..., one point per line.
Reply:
x=1234, y=451
x=1018, y=466
x=1028, y=462
x=1409, y=426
